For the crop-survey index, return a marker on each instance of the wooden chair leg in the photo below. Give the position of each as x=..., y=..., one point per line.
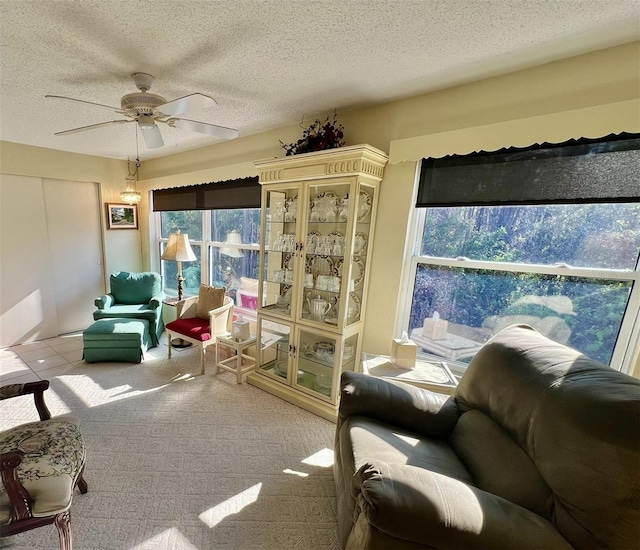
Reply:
x=63, y=524
x=202, y=355
x=81, y=483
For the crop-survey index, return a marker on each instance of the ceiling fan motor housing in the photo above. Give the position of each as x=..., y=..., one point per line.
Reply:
x=141, y=103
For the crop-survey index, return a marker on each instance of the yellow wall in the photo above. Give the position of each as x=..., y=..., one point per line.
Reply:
x=588, y=95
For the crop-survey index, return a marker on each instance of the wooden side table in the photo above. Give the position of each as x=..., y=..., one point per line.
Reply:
x=240, y=363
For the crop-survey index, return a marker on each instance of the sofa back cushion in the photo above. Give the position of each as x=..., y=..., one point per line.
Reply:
x=576, y=419
x=135, y=288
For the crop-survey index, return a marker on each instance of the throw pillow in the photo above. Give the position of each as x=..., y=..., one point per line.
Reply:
x=209, y=298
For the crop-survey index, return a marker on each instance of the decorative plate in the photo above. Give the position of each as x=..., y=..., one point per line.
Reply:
x=364, y=205
x=321, y=265
x=280, y=368
x=326, y=346
x=357, y=272
x=360, y=244
x=324, y=207
x=354, y=307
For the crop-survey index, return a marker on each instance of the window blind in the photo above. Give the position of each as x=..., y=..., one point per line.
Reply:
x=585, y=170
x=237, y=193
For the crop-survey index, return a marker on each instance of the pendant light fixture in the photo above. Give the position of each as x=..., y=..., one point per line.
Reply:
x=131, y=195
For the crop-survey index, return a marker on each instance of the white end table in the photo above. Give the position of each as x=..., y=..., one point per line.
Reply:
x=240, y=363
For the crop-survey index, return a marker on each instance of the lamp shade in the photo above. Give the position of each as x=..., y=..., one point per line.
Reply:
x=233, y=237
x=178, y=248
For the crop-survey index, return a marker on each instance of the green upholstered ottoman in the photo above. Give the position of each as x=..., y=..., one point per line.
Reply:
x=116, y=340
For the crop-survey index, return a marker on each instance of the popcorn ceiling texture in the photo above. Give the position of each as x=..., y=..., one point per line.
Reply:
x=268, y=62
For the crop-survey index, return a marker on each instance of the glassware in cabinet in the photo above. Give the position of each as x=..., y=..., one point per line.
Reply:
x=281, y=247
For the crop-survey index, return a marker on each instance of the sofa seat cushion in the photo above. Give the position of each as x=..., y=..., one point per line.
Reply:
x=193, y=327
x=54, y=457
x=372, y=440
x=424, y=507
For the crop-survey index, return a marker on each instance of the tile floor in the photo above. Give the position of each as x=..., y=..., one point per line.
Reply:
x=46, y=358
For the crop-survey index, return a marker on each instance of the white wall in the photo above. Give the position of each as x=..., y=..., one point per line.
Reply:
x=27, y=300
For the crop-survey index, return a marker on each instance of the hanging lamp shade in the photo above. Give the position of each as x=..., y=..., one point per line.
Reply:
x=130, y=195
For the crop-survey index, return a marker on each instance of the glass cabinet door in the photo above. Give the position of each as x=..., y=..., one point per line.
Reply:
x=360, y=248
x=317, y=356
x=274, y=349
x=324, y=252
x=280, y=250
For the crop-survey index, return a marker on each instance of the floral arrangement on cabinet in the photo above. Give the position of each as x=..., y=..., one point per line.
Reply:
x=318, y=136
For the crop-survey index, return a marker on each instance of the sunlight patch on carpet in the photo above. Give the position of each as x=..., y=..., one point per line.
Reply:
x=323, y=459
x=231, y=506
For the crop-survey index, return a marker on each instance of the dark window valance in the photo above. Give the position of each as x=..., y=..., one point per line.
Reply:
x=585, y=170
x=238, y=193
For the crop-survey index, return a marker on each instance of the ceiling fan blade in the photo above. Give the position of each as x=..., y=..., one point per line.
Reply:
x=116, y=109
x=152, y=136
x=191, y=102
x=92, y=126
x=203, y=128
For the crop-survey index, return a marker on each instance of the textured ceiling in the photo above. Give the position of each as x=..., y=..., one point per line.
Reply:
x=268, y=63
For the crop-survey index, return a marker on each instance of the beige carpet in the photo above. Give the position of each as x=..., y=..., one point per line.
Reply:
x=181, y=461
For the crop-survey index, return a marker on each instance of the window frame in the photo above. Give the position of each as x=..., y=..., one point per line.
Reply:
x=206, y=248
x=628, y=340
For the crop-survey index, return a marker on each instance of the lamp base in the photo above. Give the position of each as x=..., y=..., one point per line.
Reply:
x=179, y=343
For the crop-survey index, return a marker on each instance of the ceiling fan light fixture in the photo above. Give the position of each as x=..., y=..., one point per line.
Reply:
x=146, y=121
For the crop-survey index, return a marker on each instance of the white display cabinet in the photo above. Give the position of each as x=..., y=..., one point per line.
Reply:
x=318, y=217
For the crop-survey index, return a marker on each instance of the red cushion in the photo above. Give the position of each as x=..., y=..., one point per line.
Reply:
x=194, y=327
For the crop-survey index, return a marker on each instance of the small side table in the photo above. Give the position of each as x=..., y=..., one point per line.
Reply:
x=240, y=363
x=170, y=314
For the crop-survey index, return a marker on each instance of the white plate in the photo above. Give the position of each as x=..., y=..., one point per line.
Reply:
x=360, y=244
x=321, y=265
x=280, y=368
x=357, y=273
x=354, y=307
x=364, y=205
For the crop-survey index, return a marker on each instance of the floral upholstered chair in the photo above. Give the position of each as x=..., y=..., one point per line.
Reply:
x=41, y=463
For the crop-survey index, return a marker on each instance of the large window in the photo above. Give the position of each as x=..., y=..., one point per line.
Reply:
x=566, y=266
x=226, y=244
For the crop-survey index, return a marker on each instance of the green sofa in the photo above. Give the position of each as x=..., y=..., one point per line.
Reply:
x=538, y=447
x=134, y=296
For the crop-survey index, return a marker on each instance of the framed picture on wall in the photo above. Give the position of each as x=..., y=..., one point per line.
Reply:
x=122, y=216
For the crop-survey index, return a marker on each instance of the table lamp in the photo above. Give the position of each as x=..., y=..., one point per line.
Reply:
x=179, y=250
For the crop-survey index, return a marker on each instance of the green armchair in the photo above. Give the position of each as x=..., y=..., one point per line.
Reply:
x=134, y=296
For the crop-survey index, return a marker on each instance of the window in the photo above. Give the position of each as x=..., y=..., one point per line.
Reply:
x=228, y=255
x=565, y=264
x=222, y=220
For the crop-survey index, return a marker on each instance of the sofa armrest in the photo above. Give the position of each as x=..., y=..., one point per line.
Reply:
x=105, y=301
x=157, y=300
x=416, y=409
x=418, y=505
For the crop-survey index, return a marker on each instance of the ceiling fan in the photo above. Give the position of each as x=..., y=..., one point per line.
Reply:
x=149, y=109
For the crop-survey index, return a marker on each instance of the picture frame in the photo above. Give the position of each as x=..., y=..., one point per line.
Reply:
x=122, y=216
